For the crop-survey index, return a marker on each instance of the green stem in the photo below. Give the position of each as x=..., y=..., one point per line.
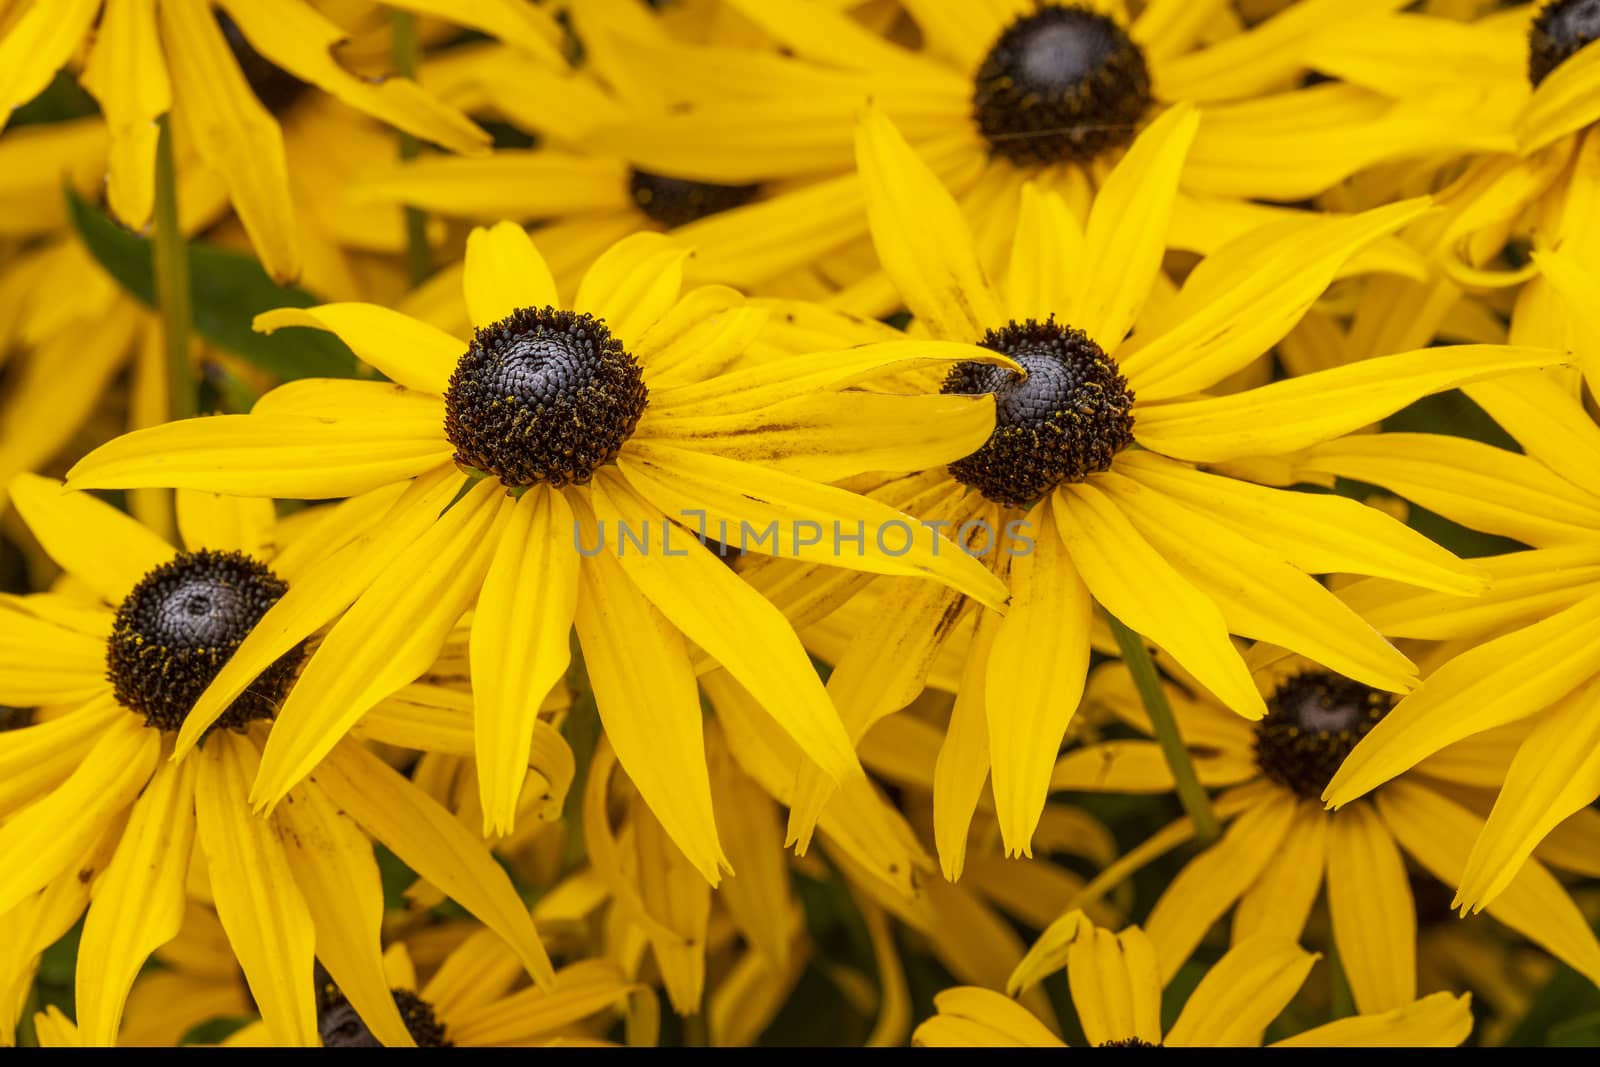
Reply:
x=419, y=258
x=1191, y=794
x=172, y=282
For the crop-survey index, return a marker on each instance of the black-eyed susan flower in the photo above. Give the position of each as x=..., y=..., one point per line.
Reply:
x=1095, y=463
x=1116, y=988
x=995, y=96
x=219, y=69
x=1281, y=850
x=1525, y=660
x=92, y=797
x=550, y=430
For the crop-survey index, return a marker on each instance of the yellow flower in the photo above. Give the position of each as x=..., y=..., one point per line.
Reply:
x=620, y=415
x=1525, y=655
x=93, y=802
x=1281, y=848
x=1116, y=987
x=145, y=60
x=997, y=95
x=1095, y=458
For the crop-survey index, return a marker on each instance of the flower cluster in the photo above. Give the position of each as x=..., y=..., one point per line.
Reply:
x=738, y=522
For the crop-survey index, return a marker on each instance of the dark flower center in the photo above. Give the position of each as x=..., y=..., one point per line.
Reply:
x=1062, y=423
x=180, y=624
x=341, y=1027
x=1063, y=83
x=543, y=396
x=1313, y=721
x=275, y=87
x=1128, y=1042
x=677, y=202
x=1559, y=31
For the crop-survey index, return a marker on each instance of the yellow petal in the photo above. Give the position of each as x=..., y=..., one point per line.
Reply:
x=431, y=841
x=1259, y=595
x=537, y=1016
x=1294, y=414
x=1438, y=833
x=1241, y=994
x=46, y=837
x=1133, y=582
x=672, y=890
x=139, y=901
x=1469, y=482
x=294, y=36
x=54, y=1029
x=261, y=907
x=91, y=540
x=777, y=514
x=633, y=285
x=504, y=272
x=127, y=74
x=1034, y=678
x=1547, y=421
x=706, y=331
x=295, y=456
x=1281, y=899
x=42, y=662
x=35, y=759
x=1115, y=985
x=1211, y=882
x=1502, y=681
x=922, y=239
x=738, y=628
x=758, y=898
x=535, y=184
x=1048, y=272
x=985, y=1018
x=38, y=44
x=1126, y=235
x=962, y=766
x=390, y=636
x=332, y=863
x=1374, y=917
x=1555, y=773
x=531, y=29
x=1246, y=296
x=226, y=523
x=650, y=707
x=1320, y=533
x=520, y=648
x=416, y=355
x=1563, y=102
x=1441, y=1020
x=230, y=130
x=318, y=594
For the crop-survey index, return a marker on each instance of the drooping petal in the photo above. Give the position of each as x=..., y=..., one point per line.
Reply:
x=1555, y=773
x=389, y=637
x=1034, y=679
x=1211, y=882
x=38, y=44
x=139, y=901
x=1441, y=1020
x=411, y=352
x=1241, y=994
x=1374, y=917
x=521, y=644
x=977, y=1017
x=504, y=272
x=921, y=236
x=46, y=837
x=261, y=907
x=232, y=133
x=1437, y=833
x=1132, y=580
x=962, y=766
x=672, y=890
x=759, y=897
x=431, y=841
x=1280, y=901
x=1115, y=984
x=650, y=706
x=102, y=547
x=127, y=74
x=332, y=863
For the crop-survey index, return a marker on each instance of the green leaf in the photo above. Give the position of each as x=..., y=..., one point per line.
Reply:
x=229, y=291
